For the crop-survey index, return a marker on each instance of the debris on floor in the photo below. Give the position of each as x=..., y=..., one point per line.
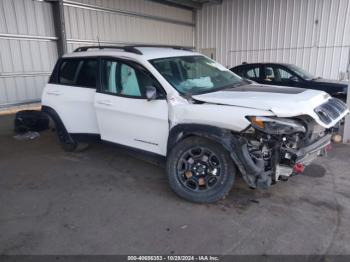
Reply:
x=184, y=226
x=27, y=136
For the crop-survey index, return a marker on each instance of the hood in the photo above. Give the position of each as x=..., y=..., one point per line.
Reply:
x=282, y=101
x=330, y=82
x=333, y=85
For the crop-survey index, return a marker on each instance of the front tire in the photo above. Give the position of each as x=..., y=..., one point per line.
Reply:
x=200, y=170
x=68, y=144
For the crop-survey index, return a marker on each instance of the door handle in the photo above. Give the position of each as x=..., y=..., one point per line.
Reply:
x=55, y=93
x=104, y=102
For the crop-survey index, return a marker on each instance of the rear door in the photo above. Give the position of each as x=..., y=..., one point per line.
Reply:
x=71, y=94
x=124, y=115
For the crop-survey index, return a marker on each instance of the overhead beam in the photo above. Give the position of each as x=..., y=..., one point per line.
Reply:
x=181, y=3
x=188, y=4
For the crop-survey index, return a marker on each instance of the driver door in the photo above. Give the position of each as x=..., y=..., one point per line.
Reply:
x=124, y=115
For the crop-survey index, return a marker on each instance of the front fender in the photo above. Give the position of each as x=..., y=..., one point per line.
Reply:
x=252, y=169
x=182, y=131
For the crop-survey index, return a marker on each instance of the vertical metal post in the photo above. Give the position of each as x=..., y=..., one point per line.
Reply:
x=346, y=135
x=60, y=28
x=195, y=29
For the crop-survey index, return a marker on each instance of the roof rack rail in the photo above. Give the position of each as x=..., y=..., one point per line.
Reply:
x=165, y=46
x=130, y=49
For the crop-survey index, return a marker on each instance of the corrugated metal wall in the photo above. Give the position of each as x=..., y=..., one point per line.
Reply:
x=27, y=49
x=28, y=42
x=314, y=34
x=127, y=21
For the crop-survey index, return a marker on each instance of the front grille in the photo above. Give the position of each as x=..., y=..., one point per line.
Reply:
x=330, y=110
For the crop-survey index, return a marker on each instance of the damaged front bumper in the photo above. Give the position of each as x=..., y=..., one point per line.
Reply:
x=307, y=154
x=254, y=169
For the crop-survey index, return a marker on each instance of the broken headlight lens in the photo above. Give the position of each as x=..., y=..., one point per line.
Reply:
x=276, y=125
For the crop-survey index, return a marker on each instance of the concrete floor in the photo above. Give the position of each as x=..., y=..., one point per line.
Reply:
x=104, y=201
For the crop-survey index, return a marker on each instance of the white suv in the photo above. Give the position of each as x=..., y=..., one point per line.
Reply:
x=199, y=116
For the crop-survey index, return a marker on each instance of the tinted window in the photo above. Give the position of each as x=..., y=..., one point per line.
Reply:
x=269, y=74
x=123, y=79
x=79, y=72
x=301, y=72
x=283, y=74
x=253, y=73
x=68, y=72
x=277, y=74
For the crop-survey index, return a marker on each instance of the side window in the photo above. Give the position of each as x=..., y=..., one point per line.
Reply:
x=87, y=74
x=122, y=79
x=269, y=74
x=78, y=72
x=253, y=73
x=277, y=74
x=68, y=71
x=109, y=76
x=129, y=83
x=283, y=74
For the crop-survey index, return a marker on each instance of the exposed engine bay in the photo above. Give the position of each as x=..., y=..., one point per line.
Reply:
x=280, y=147
x=276, y=146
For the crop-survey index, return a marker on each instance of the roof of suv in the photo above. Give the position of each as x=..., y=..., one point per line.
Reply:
x=146, y=52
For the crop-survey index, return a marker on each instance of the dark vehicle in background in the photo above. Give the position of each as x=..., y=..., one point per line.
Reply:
x=290, y=75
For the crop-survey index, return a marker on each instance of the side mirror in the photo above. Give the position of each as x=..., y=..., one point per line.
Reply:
x=151, y=93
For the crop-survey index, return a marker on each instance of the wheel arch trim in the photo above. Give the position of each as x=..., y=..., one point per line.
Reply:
x=58, y=122
x=234, y=144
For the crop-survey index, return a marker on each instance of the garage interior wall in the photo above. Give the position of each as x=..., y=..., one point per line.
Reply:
x=28, y=49
x=127, y=21
x=313, y=34
x=28, y=40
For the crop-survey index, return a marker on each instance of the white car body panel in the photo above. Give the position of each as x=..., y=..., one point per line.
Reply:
x=280, y=104
x=133, y=122
x=229, y=117
x=74, y=105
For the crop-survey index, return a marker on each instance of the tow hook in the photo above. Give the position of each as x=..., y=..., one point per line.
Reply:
x=298, y=168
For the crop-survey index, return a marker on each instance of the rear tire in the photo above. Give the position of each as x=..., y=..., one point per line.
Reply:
x=200, y=170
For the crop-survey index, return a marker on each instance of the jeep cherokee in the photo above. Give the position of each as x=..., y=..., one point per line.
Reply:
x=206, y=121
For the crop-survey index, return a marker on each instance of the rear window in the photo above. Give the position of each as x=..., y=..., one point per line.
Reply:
x=253, y=73
x=78, y=72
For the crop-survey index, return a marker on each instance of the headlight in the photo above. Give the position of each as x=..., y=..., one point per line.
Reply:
x=276, y=126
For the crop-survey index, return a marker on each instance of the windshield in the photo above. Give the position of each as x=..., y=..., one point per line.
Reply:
x=195, y=74
x=301, y=72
